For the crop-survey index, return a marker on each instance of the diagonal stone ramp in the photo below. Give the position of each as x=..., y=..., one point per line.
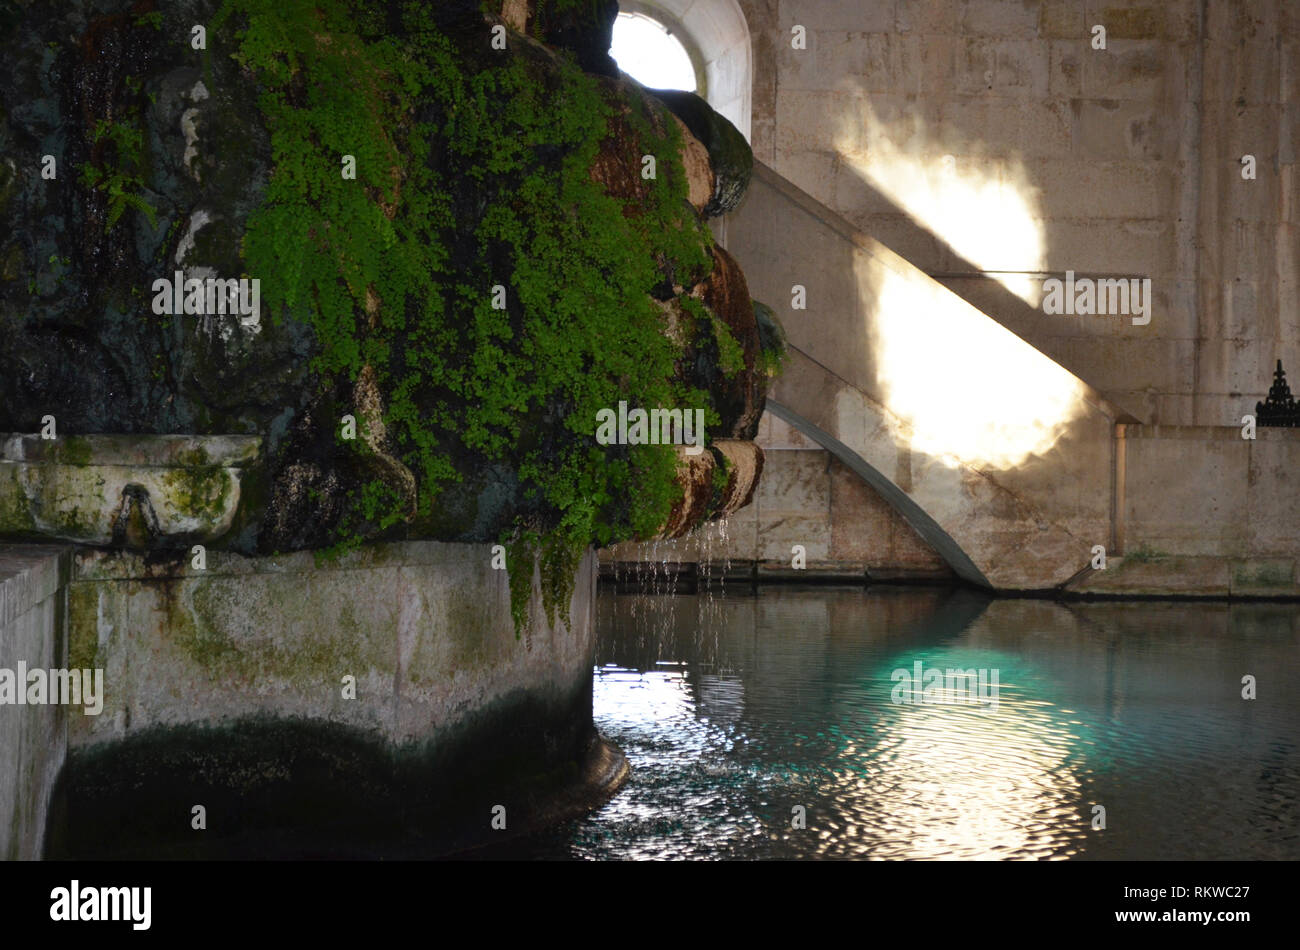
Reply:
x=999, y=457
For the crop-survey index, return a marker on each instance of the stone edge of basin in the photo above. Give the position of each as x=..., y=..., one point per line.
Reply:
x=1184, y=577
x=150, y=451
x=603, y=773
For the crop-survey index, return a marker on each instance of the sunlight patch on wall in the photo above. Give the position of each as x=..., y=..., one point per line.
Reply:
x=961, y=386
x=984, y=207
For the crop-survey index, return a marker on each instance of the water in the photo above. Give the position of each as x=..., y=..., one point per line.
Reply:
x=735, y=712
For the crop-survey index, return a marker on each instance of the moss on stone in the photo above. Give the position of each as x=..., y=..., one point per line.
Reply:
x=771, y=339
x=8, y=182
x=72, y=450
x=83, y=633
x=1142, y=554
x=199, y=492
x=1262, y=574
x=11, y=262
x=473, y=170
x=198, y=614
x=15, y=511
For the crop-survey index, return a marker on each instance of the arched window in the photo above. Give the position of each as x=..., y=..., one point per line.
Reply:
x=711, y=34
x=647, y=51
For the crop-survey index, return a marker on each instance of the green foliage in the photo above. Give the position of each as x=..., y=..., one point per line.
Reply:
x=472, y=174
x=123, y=179
x=731, y=355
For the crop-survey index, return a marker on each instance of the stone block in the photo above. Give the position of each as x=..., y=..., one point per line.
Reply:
x=1121, y=130
x=1130, y=21
x=1065, y=69
x=1134, y=69
x=929, y=17
x=1062, y=19
x=998, y=18
x=33, y=738
x=1101, y=247
x=875, y=17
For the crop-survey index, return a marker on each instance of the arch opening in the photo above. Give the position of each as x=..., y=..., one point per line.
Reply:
x=648, y=51
x=715, y=36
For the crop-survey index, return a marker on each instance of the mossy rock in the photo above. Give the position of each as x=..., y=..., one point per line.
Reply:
x=731, y=368
x=474, y=170
x=732, y=158
x=771, y=338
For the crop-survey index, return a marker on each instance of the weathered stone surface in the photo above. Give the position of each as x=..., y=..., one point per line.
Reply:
x=238, y=673
x=145, y=491
x=1204, y=490
x=370, y=417
x=1160, y=577
x=862, y=372
x=287, y=628
x=516, y=13
x=699, y=170
x=619, y=166
x=702, y=497
x=80, y=340
x=771, y=335
x=696, y=479
x=988, y=139
x=744, y=466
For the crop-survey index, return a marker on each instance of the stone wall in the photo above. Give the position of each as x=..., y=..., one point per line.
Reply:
x=1200, y=490
x=383, y=696
x=980, y=136
x=33, y=738
x=423, y=627
x=1197, y=510
x=1203, y=512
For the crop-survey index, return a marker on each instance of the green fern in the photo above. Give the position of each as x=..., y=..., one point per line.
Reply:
x=472, y=174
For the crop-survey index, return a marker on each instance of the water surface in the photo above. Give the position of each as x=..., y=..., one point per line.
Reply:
x=737, y=711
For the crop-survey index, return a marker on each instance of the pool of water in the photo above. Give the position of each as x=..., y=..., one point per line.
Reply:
x=785, y=724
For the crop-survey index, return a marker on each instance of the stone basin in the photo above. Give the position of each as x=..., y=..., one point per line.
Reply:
x=127, y=490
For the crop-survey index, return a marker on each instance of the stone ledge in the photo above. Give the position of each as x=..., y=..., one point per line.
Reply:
x=135, y=451
x=1201, y=577
x=1206, y=433
x=97, y=565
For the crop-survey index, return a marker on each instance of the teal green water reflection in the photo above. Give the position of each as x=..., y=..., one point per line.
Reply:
x=737, y=712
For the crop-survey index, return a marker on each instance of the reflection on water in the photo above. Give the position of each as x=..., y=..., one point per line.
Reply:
x=738, y=712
